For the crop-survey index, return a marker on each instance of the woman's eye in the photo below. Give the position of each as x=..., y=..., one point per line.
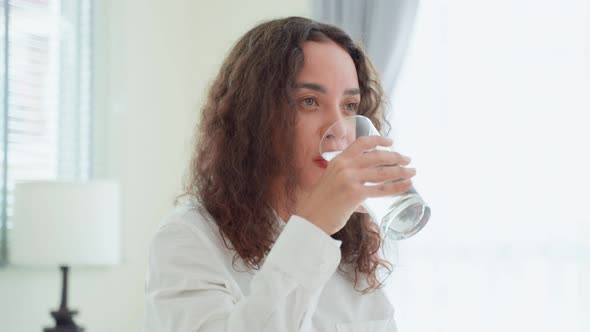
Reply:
x=351, y=107
x=309, y=101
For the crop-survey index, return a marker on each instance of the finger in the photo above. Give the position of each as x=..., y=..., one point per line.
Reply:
x=388, y=188
x=387, y=173
x=365, y=143
x=380, y=157
x=360, y=209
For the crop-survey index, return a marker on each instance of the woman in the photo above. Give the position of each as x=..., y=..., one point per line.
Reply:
x=268, y=240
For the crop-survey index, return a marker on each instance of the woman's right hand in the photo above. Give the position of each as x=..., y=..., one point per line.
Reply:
x=341, y=189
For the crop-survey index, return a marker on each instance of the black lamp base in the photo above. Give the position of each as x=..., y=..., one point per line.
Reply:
x=64, y=329
x=64, y=321
x=64, y=317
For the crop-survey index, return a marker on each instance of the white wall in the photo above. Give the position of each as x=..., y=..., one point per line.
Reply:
x=495, y=117
x=154, y=61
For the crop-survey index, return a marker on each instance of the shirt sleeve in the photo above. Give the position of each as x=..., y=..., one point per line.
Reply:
x=188, y=287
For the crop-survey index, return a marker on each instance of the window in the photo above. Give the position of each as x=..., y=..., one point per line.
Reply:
x=493, y=107
x=45, y=85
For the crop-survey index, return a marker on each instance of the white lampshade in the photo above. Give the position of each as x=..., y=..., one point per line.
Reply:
x=65, y=223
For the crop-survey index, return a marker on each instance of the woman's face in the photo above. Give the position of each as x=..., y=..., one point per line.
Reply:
x=327, y=90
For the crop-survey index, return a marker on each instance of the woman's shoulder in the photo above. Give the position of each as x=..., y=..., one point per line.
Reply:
x=187, y=249
x=190, y=226
x=188, y=216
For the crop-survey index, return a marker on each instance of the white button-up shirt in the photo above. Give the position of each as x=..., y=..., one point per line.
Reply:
x=193, y=285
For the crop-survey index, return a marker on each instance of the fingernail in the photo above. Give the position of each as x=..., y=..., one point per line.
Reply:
x=408, y=159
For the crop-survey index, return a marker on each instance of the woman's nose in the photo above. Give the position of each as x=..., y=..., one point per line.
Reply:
x=338, y=135
x=332, y=116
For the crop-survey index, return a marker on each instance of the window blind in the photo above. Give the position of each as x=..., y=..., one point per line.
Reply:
x=45, y=82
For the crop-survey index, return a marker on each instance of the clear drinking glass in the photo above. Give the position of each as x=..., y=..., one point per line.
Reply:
x=399, y=216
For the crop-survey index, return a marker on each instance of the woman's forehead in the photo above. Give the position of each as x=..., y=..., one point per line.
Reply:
x=328, y=65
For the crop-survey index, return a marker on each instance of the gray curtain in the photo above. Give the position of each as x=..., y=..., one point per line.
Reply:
x=383, y=27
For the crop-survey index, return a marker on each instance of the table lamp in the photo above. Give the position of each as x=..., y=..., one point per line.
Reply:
x=57, y=223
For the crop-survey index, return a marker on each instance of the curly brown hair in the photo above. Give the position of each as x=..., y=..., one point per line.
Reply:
x=245, y=141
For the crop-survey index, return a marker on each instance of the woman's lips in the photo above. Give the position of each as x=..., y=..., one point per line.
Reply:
x=321, y=162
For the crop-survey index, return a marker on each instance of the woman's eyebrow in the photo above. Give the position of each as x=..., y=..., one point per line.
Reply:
x=322, y=89
x=352, y=92
x=311, y=86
